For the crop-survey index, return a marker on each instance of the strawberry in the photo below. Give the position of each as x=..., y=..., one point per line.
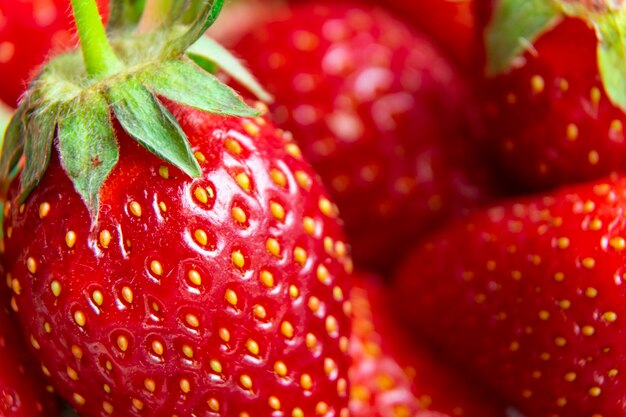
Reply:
x=529, y=295
x=555, y=110
x=177, y=277
x=22, y=389
x=379, y=112
x=394, y=375
x=49, y=28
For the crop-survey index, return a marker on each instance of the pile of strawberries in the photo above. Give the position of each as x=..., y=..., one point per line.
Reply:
x=405, y=208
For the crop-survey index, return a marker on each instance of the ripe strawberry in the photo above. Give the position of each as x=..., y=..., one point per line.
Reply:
x=379, y=112
x=529, y=295
x=22, y=390
x=179, y=284
x=552, y=117
x=394, y=375
x=29, y=31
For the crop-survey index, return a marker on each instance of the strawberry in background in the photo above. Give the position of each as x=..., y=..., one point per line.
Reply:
x=554, y=105
x=29, y=31
x=394, y=375
x=381, y=114
x=530, y=295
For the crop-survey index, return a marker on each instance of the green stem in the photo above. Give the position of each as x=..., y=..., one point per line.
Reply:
x=155, y=13
x=100, y=60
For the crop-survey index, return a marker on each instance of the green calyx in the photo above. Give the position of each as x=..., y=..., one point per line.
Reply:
x=76, y=96
x=517, y=24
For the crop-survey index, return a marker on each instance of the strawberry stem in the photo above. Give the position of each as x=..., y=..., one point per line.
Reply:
x=154, y=15
x=100, y=59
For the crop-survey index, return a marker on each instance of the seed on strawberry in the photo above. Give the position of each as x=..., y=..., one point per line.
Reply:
x=393, y=374
x=171, y=249
x=529, y=295
x=379, y=112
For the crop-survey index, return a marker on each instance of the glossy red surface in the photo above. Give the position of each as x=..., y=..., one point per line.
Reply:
x=222, y=294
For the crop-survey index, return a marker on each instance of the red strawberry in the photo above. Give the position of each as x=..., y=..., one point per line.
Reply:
x=394, y=375
x=22, y=390
x=551, y=120
x=29, y=31
x=187, y=287
x=529, y=295
x=379, y=112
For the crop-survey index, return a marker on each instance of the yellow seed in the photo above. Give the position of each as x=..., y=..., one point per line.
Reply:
x=572, y=132
x=293, y=150
x=310, y=340
x=304, y=180
x=238, y=259
x=314, y=304
x=560, y=341
x=79, y=318
x=216, y=366
x=163, y=207
x=192, y=320
x=326, y=207
x=321, y=408
x=55, y=287
x=194, y=277
x=344, y=343
x=323, y=275
x=16, y=286
x=253, y=347
x=559, y=276
x=338, y=294
x=537, y=83
x=214, y=405
x=77, y=352
x=97, y=297
x=562, y=243
x=156, y=268
x=278, y=211
x=588, y=330
x=294, y=292
x=286, y=329
x=78, y=399
x=609, y=316
x=135, y=208
x=329, y=366
x=565, y=304
x=188, y=351
x=274, y=403
x=201, y=237
x=309, y=226
x=595, y=391
x=231, y=297
x=251, y=128
x=164, y=172
x=595, y=95
x=617, y=243
x=201, y=195
x=245, y=381
x=259, y=312
x=34, y=342
x=589, y=263
x=280, y=368
x=127, y=294
x=122, y=343
x=185, y=385
x=232, y=146
x=297, y=412
x=243, y=180
x=273, y=246
x=300, y=255
x=267, y=278
x=278, y=177
x=239, y=215
x=138, y=404
x=613, y=372
x=199, y=156
x=149, y=384
x=72, y=374
x=157, y=347
x=31, y=265
x=44, y=209
x=107, y=407
x=561, y=402
x=544, y=315
x=105, y=238
x=594, y=157
x=224, y=334
x=332, y=326
x=306, y=382
x=591, y=292
x=70, y=239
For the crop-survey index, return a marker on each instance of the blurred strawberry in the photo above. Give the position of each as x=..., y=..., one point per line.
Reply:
x=379, y=112
x=29, y=31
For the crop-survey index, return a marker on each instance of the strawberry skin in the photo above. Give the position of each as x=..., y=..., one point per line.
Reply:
x=223, y=294
x=393, y=374
x=550, y=120
x=29, y=31
x=529, y=296
x=23, y=392
x=379, y=112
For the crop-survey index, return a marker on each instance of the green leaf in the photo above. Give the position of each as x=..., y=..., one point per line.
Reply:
x=208, y=14
x=211, y=50
x=13, y=145
x=186, y=83
x=515, y=25
x=40, y=130
x=125, y=14
x=87, y=146
x=145, y=119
